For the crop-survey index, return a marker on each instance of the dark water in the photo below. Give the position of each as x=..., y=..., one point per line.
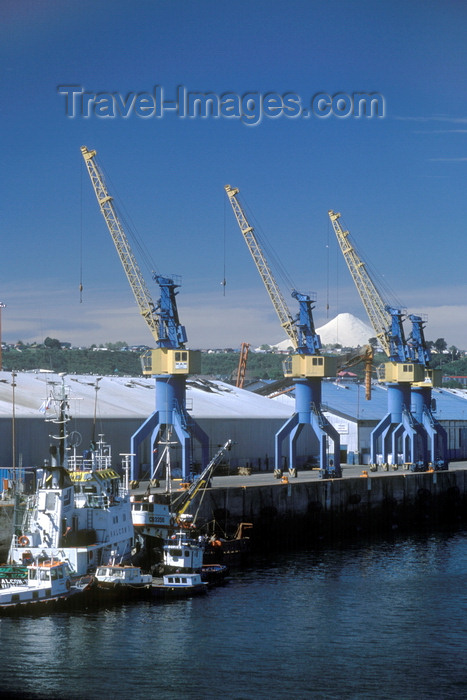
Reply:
x=386, y=620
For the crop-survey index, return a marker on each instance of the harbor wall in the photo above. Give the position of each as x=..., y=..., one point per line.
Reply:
x=340, y=508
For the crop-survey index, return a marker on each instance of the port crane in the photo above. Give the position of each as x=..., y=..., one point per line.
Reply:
x=409, y=423
x=365, y=355
x=170, y=361
x=305, y=365
x=181, y=503
x=242, y=363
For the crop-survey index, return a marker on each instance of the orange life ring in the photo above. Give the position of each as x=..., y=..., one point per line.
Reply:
x=23, y=541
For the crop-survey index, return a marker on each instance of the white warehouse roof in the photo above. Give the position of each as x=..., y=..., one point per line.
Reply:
x=129, y=397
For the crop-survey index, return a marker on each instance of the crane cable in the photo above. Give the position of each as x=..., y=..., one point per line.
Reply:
x=81, y=237
x=224, y=281
x=127, y=224
x=273, y=259
x=327, y=267
x=144, y=257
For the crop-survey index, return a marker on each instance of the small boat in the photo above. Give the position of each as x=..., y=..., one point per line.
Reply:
x=214, y=573
x=178, y=585
x=182, y=553
x=122, y=581
x=231, y=550
x=41, y=586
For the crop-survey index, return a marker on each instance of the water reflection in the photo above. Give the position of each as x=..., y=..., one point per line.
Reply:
x=380, y=620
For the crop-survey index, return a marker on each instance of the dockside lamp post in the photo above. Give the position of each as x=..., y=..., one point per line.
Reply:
x=13, y=427
x=2, y=306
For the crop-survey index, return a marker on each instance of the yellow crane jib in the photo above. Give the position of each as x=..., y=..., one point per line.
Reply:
x=165, y=359
x=285, y=318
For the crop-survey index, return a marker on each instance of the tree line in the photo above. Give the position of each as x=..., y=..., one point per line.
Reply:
x=120, y=360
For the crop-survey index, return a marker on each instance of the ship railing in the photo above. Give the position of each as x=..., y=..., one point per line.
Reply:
x=26, y=512
x=97, y=461
x=102, y=461
x=123, y=492
x=93, y=500
x=79, y=463
x=101, y=500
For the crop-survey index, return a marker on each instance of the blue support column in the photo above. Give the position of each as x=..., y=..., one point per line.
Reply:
x=170, y=411
x=287, y=429
x=379, y=433
x=437, y=437
x=293, y=437
x=397, y=435
x=308, y=412
x=398, y=398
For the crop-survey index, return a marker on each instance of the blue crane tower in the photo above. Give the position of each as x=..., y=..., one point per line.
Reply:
x=421, y=393
x=170, y=362
x=409, y=424
x=305, y=365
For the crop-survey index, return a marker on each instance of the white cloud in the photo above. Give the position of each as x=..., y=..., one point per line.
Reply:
x=211, y=320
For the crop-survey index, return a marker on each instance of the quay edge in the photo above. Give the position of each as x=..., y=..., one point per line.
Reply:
x=301, y=510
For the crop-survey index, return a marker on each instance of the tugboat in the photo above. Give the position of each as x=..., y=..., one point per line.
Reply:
x=121, y=582
x=180, y=585
x=184, y=554
x=42, y=586
x=80, y=512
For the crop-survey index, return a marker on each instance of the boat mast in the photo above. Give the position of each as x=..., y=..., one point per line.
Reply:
x=59, y=453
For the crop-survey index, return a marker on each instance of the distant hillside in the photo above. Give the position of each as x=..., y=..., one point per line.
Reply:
x=106, y=362
x=221, y=365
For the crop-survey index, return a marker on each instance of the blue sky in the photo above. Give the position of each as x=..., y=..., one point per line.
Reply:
x=399, y=181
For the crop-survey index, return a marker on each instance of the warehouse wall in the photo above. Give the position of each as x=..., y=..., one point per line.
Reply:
x=253, y=440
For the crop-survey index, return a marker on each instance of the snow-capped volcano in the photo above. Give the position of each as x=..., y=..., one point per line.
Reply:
x=345, y=329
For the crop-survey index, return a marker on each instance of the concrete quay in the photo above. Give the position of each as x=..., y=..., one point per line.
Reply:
x=361, y=503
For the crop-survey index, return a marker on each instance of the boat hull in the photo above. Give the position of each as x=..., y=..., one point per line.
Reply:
x=231, y=552
x=161, y=592
x=111, y=593
x=77, y=598
x=214, y=573
x=182, y=585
